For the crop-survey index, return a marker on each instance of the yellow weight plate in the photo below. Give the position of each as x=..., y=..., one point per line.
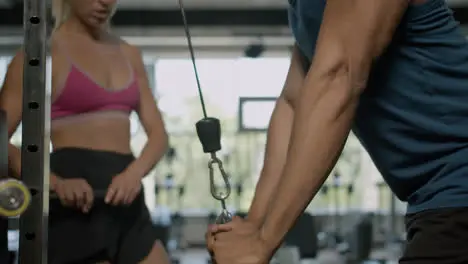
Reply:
x=26, y=195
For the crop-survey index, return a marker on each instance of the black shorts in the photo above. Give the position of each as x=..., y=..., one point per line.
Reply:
x=121, y=235
x=438, y=236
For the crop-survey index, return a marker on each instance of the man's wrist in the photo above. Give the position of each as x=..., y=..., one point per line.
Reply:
x=255, y=220
x=270, y=239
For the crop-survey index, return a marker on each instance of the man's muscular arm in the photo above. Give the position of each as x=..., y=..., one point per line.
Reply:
x=279, y=132
x=353, y=34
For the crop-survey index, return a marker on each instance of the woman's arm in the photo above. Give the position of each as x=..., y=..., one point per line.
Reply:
x=11, y=98
x=150, y=118
x=11, y=101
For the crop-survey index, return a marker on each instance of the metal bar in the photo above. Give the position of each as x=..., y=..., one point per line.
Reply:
x=35, y=137
x=392, y=223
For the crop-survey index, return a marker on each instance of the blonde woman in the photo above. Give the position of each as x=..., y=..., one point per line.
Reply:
x=97, y=81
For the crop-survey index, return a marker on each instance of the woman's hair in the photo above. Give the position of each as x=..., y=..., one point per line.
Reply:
x=61, y=12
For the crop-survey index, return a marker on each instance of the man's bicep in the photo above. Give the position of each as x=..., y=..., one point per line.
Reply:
x=354, y=33
x=294, y=78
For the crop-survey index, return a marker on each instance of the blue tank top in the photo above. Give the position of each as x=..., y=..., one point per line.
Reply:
x=413, y=116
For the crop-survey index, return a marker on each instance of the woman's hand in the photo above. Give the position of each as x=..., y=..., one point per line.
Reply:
x=74, y=193
x=123, y=189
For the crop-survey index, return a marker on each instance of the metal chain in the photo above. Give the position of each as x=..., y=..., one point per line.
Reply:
x=214, y=159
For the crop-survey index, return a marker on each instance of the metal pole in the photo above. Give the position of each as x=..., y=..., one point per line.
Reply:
x=35, y=137
x=392, y=223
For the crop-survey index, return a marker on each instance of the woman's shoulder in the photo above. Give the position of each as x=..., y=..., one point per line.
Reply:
x=54, y=37
x=128, y=47
x=53, y=41
x=131, y=52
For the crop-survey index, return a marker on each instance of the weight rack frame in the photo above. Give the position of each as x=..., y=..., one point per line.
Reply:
x=35, y=135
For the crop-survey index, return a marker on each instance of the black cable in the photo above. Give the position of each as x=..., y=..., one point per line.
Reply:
x=192, y=55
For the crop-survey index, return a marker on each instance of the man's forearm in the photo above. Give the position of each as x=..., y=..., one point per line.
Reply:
x=322, y=123
x=279, y=132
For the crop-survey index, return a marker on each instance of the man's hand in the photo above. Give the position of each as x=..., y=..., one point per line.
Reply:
x=211, y=233
x=242, y=244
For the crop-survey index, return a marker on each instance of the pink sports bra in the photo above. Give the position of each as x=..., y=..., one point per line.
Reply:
x=82, y=95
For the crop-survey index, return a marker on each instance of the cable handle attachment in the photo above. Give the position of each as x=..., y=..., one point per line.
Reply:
x=209, y=134
x=224, y=218
x=227, y=185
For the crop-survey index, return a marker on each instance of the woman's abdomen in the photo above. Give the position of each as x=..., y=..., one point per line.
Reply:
x=107, y=133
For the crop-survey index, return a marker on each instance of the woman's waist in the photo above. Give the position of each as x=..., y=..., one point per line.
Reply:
x=98, y=167
x=85, y=154
x=110, y=145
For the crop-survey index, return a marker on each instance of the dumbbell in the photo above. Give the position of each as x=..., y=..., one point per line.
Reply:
x=170, y=154
x=181, y=191
x=157, y=189
x=324, y=190
x=239, y=189
x=169, y=181
x=14, y=198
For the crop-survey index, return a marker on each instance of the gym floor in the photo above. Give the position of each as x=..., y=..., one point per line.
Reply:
x=199, y=256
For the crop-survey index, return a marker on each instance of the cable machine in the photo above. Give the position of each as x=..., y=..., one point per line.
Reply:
x=35, y=135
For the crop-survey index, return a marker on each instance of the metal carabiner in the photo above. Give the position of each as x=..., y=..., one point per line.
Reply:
x=223, y=195
x=224, y=217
